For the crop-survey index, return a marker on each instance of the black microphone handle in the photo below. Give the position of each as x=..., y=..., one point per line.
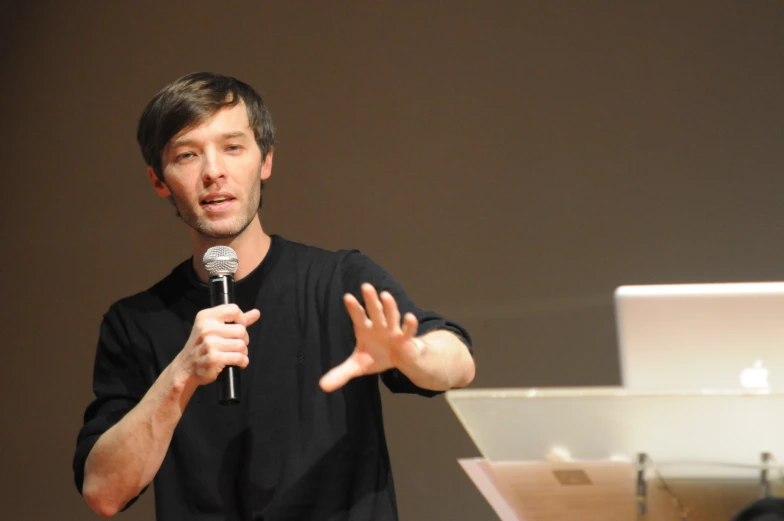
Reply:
x=222, y=292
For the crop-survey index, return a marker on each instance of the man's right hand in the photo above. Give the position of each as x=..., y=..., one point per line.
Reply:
x=219, y=338
x=126, y=457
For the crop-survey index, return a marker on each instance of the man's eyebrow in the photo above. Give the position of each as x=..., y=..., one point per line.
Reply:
x=184, y=141
x=181, y=142
x=236, y=133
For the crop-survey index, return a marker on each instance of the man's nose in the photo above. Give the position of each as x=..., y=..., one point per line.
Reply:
x=213, y=167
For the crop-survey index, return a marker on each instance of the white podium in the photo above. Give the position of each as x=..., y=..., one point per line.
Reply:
x=615, y=454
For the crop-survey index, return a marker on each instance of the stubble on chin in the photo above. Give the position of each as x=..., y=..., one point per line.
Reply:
x=211, y=230
x=229, y=231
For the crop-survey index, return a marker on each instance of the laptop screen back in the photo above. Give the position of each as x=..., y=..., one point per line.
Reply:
x=701, y=336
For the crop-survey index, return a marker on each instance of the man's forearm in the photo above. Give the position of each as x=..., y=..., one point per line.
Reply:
x=444, y=362
x=126, y=458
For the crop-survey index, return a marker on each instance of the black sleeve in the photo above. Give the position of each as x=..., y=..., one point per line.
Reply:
x=358, y=269
x=118, y=385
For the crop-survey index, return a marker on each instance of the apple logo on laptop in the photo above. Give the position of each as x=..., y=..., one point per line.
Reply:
x=755, y=377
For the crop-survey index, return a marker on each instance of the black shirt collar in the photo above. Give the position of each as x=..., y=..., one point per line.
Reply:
x=247, y=287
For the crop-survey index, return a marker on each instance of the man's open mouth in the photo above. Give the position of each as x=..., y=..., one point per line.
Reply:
x=216, y=200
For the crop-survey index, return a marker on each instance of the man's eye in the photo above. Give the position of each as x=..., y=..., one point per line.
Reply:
x=233, y=148
x=185, y=156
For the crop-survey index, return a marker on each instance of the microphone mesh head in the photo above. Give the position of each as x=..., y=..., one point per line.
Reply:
x=220, y=260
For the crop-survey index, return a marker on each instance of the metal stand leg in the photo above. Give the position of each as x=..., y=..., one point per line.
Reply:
x=642, y=488
x=765, y=459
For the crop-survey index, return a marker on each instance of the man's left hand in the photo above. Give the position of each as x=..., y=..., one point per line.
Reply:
x=382, y=341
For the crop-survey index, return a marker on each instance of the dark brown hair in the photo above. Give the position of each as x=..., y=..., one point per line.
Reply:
x=189, y=101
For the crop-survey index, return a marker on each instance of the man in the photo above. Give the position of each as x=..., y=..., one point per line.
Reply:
x=311, y=330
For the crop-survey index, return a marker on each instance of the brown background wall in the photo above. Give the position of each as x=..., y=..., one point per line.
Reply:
x=510, y=162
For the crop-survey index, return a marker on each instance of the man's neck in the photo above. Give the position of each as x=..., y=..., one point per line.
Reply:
x=251, y=247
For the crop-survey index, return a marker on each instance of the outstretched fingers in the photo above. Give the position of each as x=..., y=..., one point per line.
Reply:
x=380, y=311
x=373, y=306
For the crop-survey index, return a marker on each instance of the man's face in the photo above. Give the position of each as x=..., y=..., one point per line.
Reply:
x=213, y=174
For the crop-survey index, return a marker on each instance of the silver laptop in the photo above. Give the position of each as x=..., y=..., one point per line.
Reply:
x=701, y=336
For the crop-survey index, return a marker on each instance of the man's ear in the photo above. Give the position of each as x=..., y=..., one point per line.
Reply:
x=160, y=187
x=266, y=167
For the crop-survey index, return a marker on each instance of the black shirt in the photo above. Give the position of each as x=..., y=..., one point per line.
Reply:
x=288, y=451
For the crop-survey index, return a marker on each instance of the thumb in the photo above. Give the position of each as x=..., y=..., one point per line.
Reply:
x=249, y=317
x=339, y=376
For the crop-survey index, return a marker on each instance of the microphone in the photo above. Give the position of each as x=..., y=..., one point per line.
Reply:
x=221, y=264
